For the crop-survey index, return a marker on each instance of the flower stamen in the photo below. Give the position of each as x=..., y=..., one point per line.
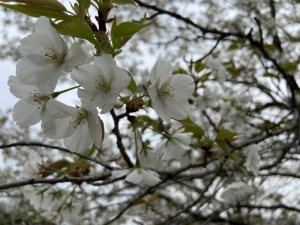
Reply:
x=165, y=91
x=79, y=119
x=50, y=56
x=102, y=84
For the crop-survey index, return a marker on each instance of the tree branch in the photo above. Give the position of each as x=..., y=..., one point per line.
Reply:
x=121, y=147
x=76, y=180
x=38, y=144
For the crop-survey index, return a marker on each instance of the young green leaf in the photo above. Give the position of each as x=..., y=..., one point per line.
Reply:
x=37, y=11
x=123, y=2
x=190, y=126
x=50, y=4
x=76, y=28
x=122, y=33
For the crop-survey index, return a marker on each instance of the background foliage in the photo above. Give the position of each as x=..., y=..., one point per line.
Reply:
x=244, y=57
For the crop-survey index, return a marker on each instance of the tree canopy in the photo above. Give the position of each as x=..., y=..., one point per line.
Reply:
x=151, y=112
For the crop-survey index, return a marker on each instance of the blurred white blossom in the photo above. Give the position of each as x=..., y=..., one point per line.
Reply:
x=216, y=67
x=236, y=192
x=253, y=159
x=176, y=146
x=33, y=165
x=138, y=176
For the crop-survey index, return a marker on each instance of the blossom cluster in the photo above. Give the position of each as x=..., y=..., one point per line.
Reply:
x=47, y=58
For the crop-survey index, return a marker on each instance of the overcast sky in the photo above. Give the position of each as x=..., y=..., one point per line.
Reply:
x=7, y=100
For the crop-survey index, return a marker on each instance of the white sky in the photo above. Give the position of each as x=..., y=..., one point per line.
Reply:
x=7, y=100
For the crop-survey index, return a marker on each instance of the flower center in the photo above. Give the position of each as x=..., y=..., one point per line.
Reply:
x=50, y=56
x=38, y=98
x=165, y=91
x=102, y=83
x=79, y=119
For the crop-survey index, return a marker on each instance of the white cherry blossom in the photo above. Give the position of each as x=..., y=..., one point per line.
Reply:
x=138, y=176
x=217, y=68
x=176, y=146
x=253, y=159
x=169, y=93
x=101, y=82
x=79, y=127
x=46, y=56
x=236, y=192
x=31, y=109
x=33, y=165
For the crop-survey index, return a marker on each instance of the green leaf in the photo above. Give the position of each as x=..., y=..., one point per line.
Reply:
x=122, y=33
x=76, y=28
x=225, y=135
x=123, y=2
x=132, y=85
x=127, y=29
x=272, y=75
x=51, y=4
x=233, y=47
x=289, y=66
x=190, y=126
x=86, y=3
x=199, y=66
x=37, y=11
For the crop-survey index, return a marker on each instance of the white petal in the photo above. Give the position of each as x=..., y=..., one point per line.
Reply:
x=86, y=75
x=58, y=128
x=47, y=80
x=80, y=140
x=26, y=114
x=32, y=71
x=29, y=46
x=105, y=62
x=177, y=109
x=59, y=122
x=119, y=80
x=135, y=176
x=183, y=84
x=252, y=161
x=94, y=123
x=150, y=178
x=58, y=110
x=120, y=173
x=75, y=57
x=160, y=108
x=111, y=101
x=48, y=37
x=162, y=69
x=236, y=192
x=20, y=90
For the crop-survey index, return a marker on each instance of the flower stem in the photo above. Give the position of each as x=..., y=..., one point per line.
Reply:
x=55, y=94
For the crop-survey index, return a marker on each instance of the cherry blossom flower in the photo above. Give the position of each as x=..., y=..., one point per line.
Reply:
x=138, y=176
x=33, y=165
x=217, y=68
x=236, y=192
x=31, y=109
x=176, y=146
x=169, y=93
x=101, y=82
x=54, y=204
x=79, y=127
x=46, y=56
x=253, y=159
